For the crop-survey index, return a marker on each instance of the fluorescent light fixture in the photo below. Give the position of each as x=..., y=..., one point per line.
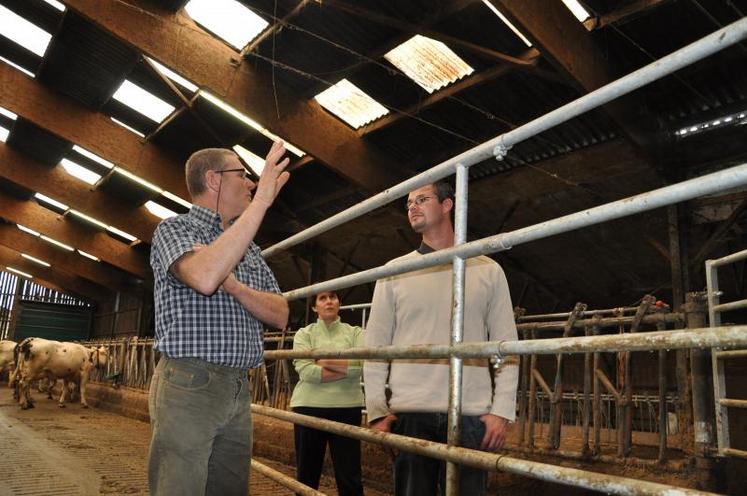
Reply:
x=351, y=104
x=57, y=5
x=84, y=174
x=7, y=113
x=4, y=134
x=129, y=128
x=20, y=273
x=249, y=121
x=577, y=9
x=23, y=32
x=255, y=162
x=27, y=230
x=721, y=122
x=228, y=19
x=22, y=69
x=93, y=156
x=57, y=243
x=176, y=199
x=138, y=180
x=159, y=210
x=507, y=23
x=114, y=230
x=87, y=218
x=36, y=260
x=430, y=63
x=142, y=101
x=88, y=255
x=50, y=201
x=173, y=76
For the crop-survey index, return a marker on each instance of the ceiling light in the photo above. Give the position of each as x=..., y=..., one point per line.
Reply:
x=114, y=230
x=20, y=273
x=159, y=210
x=4, y=134
x=507, y=22
x=129, y=128
x=36, y=260
x=142, y=101
x=351, y=104
x=577, y=9
x=255, y=162
x=138, y=180
x=27, y=230
x=88, y=255
x=249, y=121
x=93, y=156
x=57, y=243
x=430, y=63
x=228, y=19
x=176, y=199
x=173, y=76
x=57, y=5
x=82, y=173
x=13, y=64
x=23, y=32
x=87, y=218
x=7, y=113
x=50, y=201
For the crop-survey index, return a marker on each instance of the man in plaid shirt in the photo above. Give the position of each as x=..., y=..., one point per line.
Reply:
x=214, y=294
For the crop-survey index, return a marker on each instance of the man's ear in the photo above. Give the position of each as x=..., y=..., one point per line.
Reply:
x=448, y=203
x=212, y=180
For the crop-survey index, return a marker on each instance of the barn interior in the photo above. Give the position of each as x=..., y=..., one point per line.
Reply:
x=87, y=174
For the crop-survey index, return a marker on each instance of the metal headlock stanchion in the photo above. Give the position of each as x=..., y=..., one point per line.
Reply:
x=456, y=351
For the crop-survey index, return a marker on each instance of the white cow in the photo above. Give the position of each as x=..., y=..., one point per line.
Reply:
x=7, y=363
x=72, y=362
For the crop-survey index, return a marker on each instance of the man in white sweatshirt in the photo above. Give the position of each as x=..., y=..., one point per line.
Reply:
x=415, y=308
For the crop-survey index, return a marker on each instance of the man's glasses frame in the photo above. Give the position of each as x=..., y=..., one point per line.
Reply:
x=417, y=201
x=247, y=175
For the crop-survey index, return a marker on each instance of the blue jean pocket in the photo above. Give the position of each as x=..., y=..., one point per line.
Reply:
x=184, y=376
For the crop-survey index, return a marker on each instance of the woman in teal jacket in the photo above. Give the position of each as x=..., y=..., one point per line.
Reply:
x=329, y=389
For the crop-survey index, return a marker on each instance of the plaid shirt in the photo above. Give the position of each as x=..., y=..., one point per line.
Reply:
x=214, y=328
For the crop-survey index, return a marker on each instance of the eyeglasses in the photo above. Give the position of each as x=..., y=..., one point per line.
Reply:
x=417, y=201
x=246, y=175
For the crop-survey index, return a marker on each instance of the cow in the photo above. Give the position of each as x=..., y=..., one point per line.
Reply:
x=72, y=362
x=7, y=362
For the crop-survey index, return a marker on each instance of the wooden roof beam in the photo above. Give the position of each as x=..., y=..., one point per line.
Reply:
x=623, y=14
x=56, y=183
x=177, y=42
x=97, y=243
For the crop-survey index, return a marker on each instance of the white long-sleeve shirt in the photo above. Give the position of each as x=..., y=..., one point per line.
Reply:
x=415, y=308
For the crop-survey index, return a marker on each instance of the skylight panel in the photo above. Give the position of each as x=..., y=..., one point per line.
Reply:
x=351, y=104
x=255, y=162
x=36, y=260
x=159, y=210
x=82, y=173
x=23, y=32
x=129, y=128
x=57, y=243
x=138, y=180
x=4, y=134
x=577, y=9
x=173, y=76
x=93, y=156
x=121, y=234
x=430, y=63
x=27, y=230
x=231, y=21
x=142, y=101
x=13, y=64
x=174, y=198
x=20, y=273
x=507, y=23
x=50, y=201
x=249, y=122
x=88, y=255
x=87, y=218
x=57, y=5
x=7, y=113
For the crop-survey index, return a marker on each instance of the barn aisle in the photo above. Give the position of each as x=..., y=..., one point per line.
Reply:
x=76, y=451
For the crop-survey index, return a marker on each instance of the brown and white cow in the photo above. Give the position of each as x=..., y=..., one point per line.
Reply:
x=72, y=362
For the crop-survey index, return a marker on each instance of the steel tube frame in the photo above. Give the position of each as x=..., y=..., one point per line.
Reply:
x=602, y=322
x=732, y=305
x=284, y=480
x=734, y=257
x=605, y=483
x=708, y=45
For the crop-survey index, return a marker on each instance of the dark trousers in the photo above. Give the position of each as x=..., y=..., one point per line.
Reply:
x=311, y=445
x=416, y=475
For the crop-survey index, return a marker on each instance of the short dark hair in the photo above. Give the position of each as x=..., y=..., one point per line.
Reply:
x=322, y=292
x=443, y=190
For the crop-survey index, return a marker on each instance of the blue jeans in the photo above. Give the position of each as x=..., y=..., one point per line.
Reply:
x=202, y=429
x=416, y=475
